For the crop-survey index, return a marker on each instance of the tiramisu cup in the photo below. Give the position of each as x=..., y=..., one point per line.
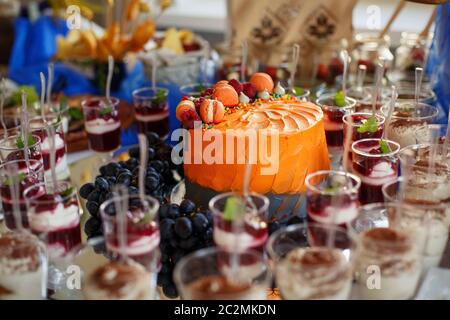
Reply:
x=23, y=267
x=118, y=280
x=406, y=119
x=312, y=262
x=387, y=264
x=216, y=274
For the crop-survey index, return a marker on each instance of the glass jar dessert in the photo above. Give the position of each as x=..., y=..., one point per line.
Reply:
x=152, y=110
x=375, y=162
x=240, y=223
x=102, y=124
x=217, y=274
x=412, y=52
x=13, y=148
x=308, y=267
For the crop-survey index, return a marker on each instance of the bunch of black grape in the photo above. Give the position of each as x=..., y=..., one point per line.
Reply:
x=184, y=229
x=159, y=180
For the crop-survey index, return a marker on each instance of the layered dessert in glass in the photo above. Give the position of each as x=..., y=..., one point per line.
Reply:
x=406, y=119
x=334, y=107
x=54, y=214
x=332, y=197
x=395, y=255
x=118, y=280
x=240, y=222
x=142, y=236
x=13, y=148
x=39, y=127
x=375, y=162
x=217, y=274
x=23, y=267
x=152, y=110
x=308, y=268
x=24, y=176
x=102, y=123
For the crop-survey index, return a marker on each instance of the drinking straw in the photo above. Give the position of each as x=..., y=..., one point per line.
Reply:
x=2, y=103
x=12, y=173
x=419, y=74
x=42, y=76
x=244, y=59
x=394, y=15
x=447, y=138
x=344, y=57
x=377, y=87
x=295, y=58
x=25, y=128
x=154, y=66
x=360, y=77
x=109, y=78
x=51, y=72
x=51, y=137
x=143, y=154
x=121, y=203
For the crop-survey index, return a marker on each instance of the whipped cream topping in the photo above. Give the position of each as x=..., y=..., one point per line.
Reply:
x=143, y=245
x=243, y=98
x=335, y=215
x=233, y=241
x=381, y=174
x=59, y=144
x=99, y=125
x=279, y=89
x=60, y=218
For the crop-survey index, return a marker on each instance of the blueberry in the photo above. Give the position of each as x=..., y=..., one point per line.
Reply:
x=274, y=226
x=188, y=243
x=153, y=138
x=151, y=183
x=150, y=170
x=187, y=206
x=94, y=196
x=200, y=222
x=209, y=216
x=173, y=211
x=124, y=179
x=101, y=183
x=183, y=227
x=93, y=227
x=166, y=228
x=111, y=180
x=123, y=170
x=134, y=152
x=132, y=163
x=86, y=189
x=158, y=165
x=92, y=208
x=103, y=170
x=112, y=168
x=151, y=153
x=170, y=291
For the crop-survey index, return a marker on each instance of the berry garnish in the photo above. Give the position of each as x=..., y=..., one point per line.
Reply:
x=339, y=99
x=371, y=125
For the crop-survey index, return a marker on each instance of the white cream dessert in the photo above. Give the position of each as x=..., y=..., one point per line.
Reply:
x=396, y=255
x=316, y=273
x=61, y=167
x=118, y=281
x=100, y=126
x=23, y=267
x=139, y=245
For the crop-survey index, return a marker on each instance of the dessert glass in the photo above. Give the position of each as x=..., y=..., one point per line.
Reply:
x=333, y=123
x=217, y=274
x=26, y=176
x=253, y=232
x=10, y=150
x=332, y=197
x=357, y=120
x=39, y=127
x=23, y=267
x=142, y=230
x=374, y=167
x=406, y=119
x=388, y=247
x=54, y=215
x=312, y=262
x=412, y=52
x=152, y=110
x=102, y=123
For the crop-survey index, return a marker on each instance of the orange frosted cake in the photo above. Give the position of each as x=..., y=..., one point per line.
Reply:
x=282, y=138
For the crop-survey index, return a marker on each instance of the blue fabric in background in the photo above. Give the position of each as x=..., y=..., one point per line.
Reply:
x=34, y=48
x=438, y=66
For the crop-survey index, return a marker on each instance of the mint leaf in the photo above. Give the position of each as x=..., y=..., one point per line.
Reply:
x=371, y=125
x=20, y=143
x=384, y=147
x=106, y=110
x=160, y=97
x=16, y=179
x=146, y=219
x=68, y=192
x=339, y=99
x=234, y=206
x=63, y=103
x=32, y=96
x=298, y=91
x=75, y=114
